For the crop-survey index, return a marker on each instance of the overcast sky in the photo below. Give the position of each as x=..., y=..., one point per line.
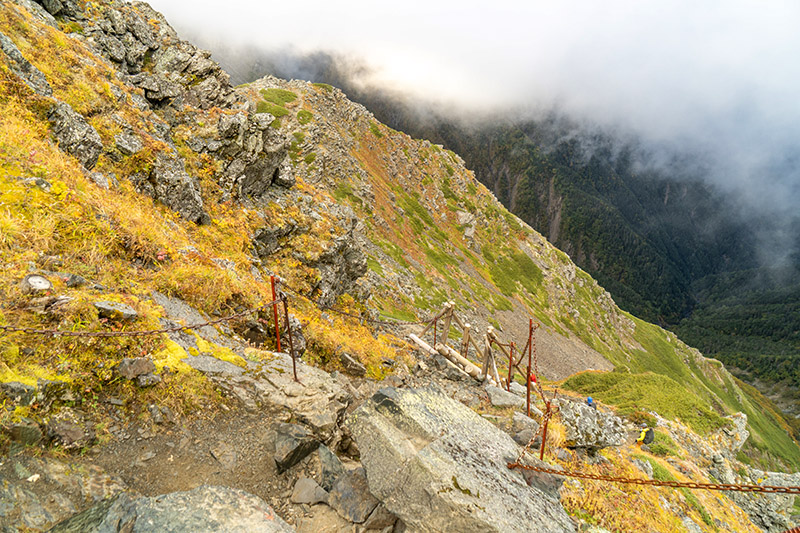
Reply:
x=721, y=76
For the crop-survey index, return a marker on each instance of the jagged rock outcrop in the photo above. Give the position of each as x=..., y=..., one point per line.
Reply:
x=340, y=266
x=439, y=466
x=589, y=428
x=202, y=509
x=257, y=154
x=174, y=74
x=74, y=135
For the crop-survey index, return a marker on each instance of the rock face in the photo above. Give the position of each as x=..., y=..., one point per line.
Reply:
x=32, y=76
x=74, y=135
x=438, y=466
x=589, y=428
x=501, y=398
x=205, y=508
x=169, y=183
x=340, y=266
x=292, y=444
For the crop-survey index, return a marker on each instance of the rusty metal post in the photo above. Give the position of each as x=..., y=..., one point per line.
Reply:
x=275, y=313
x=544, y=432
x=528, y=378
x=435, y=323
x=510, y=367
x=289, y=332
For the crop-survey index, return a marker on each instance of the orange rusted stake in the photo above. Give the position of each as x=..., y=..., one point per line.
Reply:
x=544, y=433
x=291, y=342
x=275, y=313
x=528, y=380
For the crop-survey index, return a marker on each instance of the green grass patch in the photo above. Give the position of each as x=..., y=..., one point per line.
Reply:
x=414, y=209
x=299, y=136
x=507, y=270
x=304, y=117
x=310, y=158
x=274, y=110
x=324, y=86
x=448, y=191
x=395, y=252
x=374, y=265
x=398, y=314
x=648, y=391
x=376, y=131
x=279, y=97
x=663, y=445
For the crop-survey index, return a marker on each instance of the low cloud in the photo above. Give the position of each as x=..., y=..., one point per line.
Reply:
x=718, y=80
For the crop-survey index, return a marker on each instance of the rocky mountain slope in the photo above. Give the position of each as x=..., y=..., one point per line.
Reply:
x=670, y=247
x=141, y=191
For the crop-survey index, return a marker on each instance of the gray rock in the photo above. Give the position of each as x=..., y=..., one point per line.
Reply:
x=173, y=187
x=99, y=179
x=589, y=428
x=340, y=266
x=148, y=380
x=770, y=512
x=177, y=309
x=351, y=366
x=266, y=240
x=331, y=467
x=69, y=430
x=133, y=367
x=380, y=518
x=206, y=508
x=516, y=388
x=113, y=48
x=523, y=438
x=293, y=443
x=74, y=135
x=439, y=466
x=307, y=491
x=74, y=281
x=115, y=311
x=26, y=432
x=128, y=144
x=208, y=364
x=520, y=422
x=20, y=66
x=157, y=88
x=351, y=498
x=644, y=466
x=737, y=434
x=502, y=398
x=690, y=525
x=35, y=284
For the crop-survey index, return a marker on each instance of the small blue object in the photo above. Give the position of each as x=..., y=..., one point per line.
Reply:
x=589, y=400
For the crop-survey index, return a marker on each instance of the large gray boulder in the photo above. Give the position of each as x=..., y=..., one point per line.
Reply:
x=586, y=427
x=74, y=135
x=438, y=466
x=206, y=508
